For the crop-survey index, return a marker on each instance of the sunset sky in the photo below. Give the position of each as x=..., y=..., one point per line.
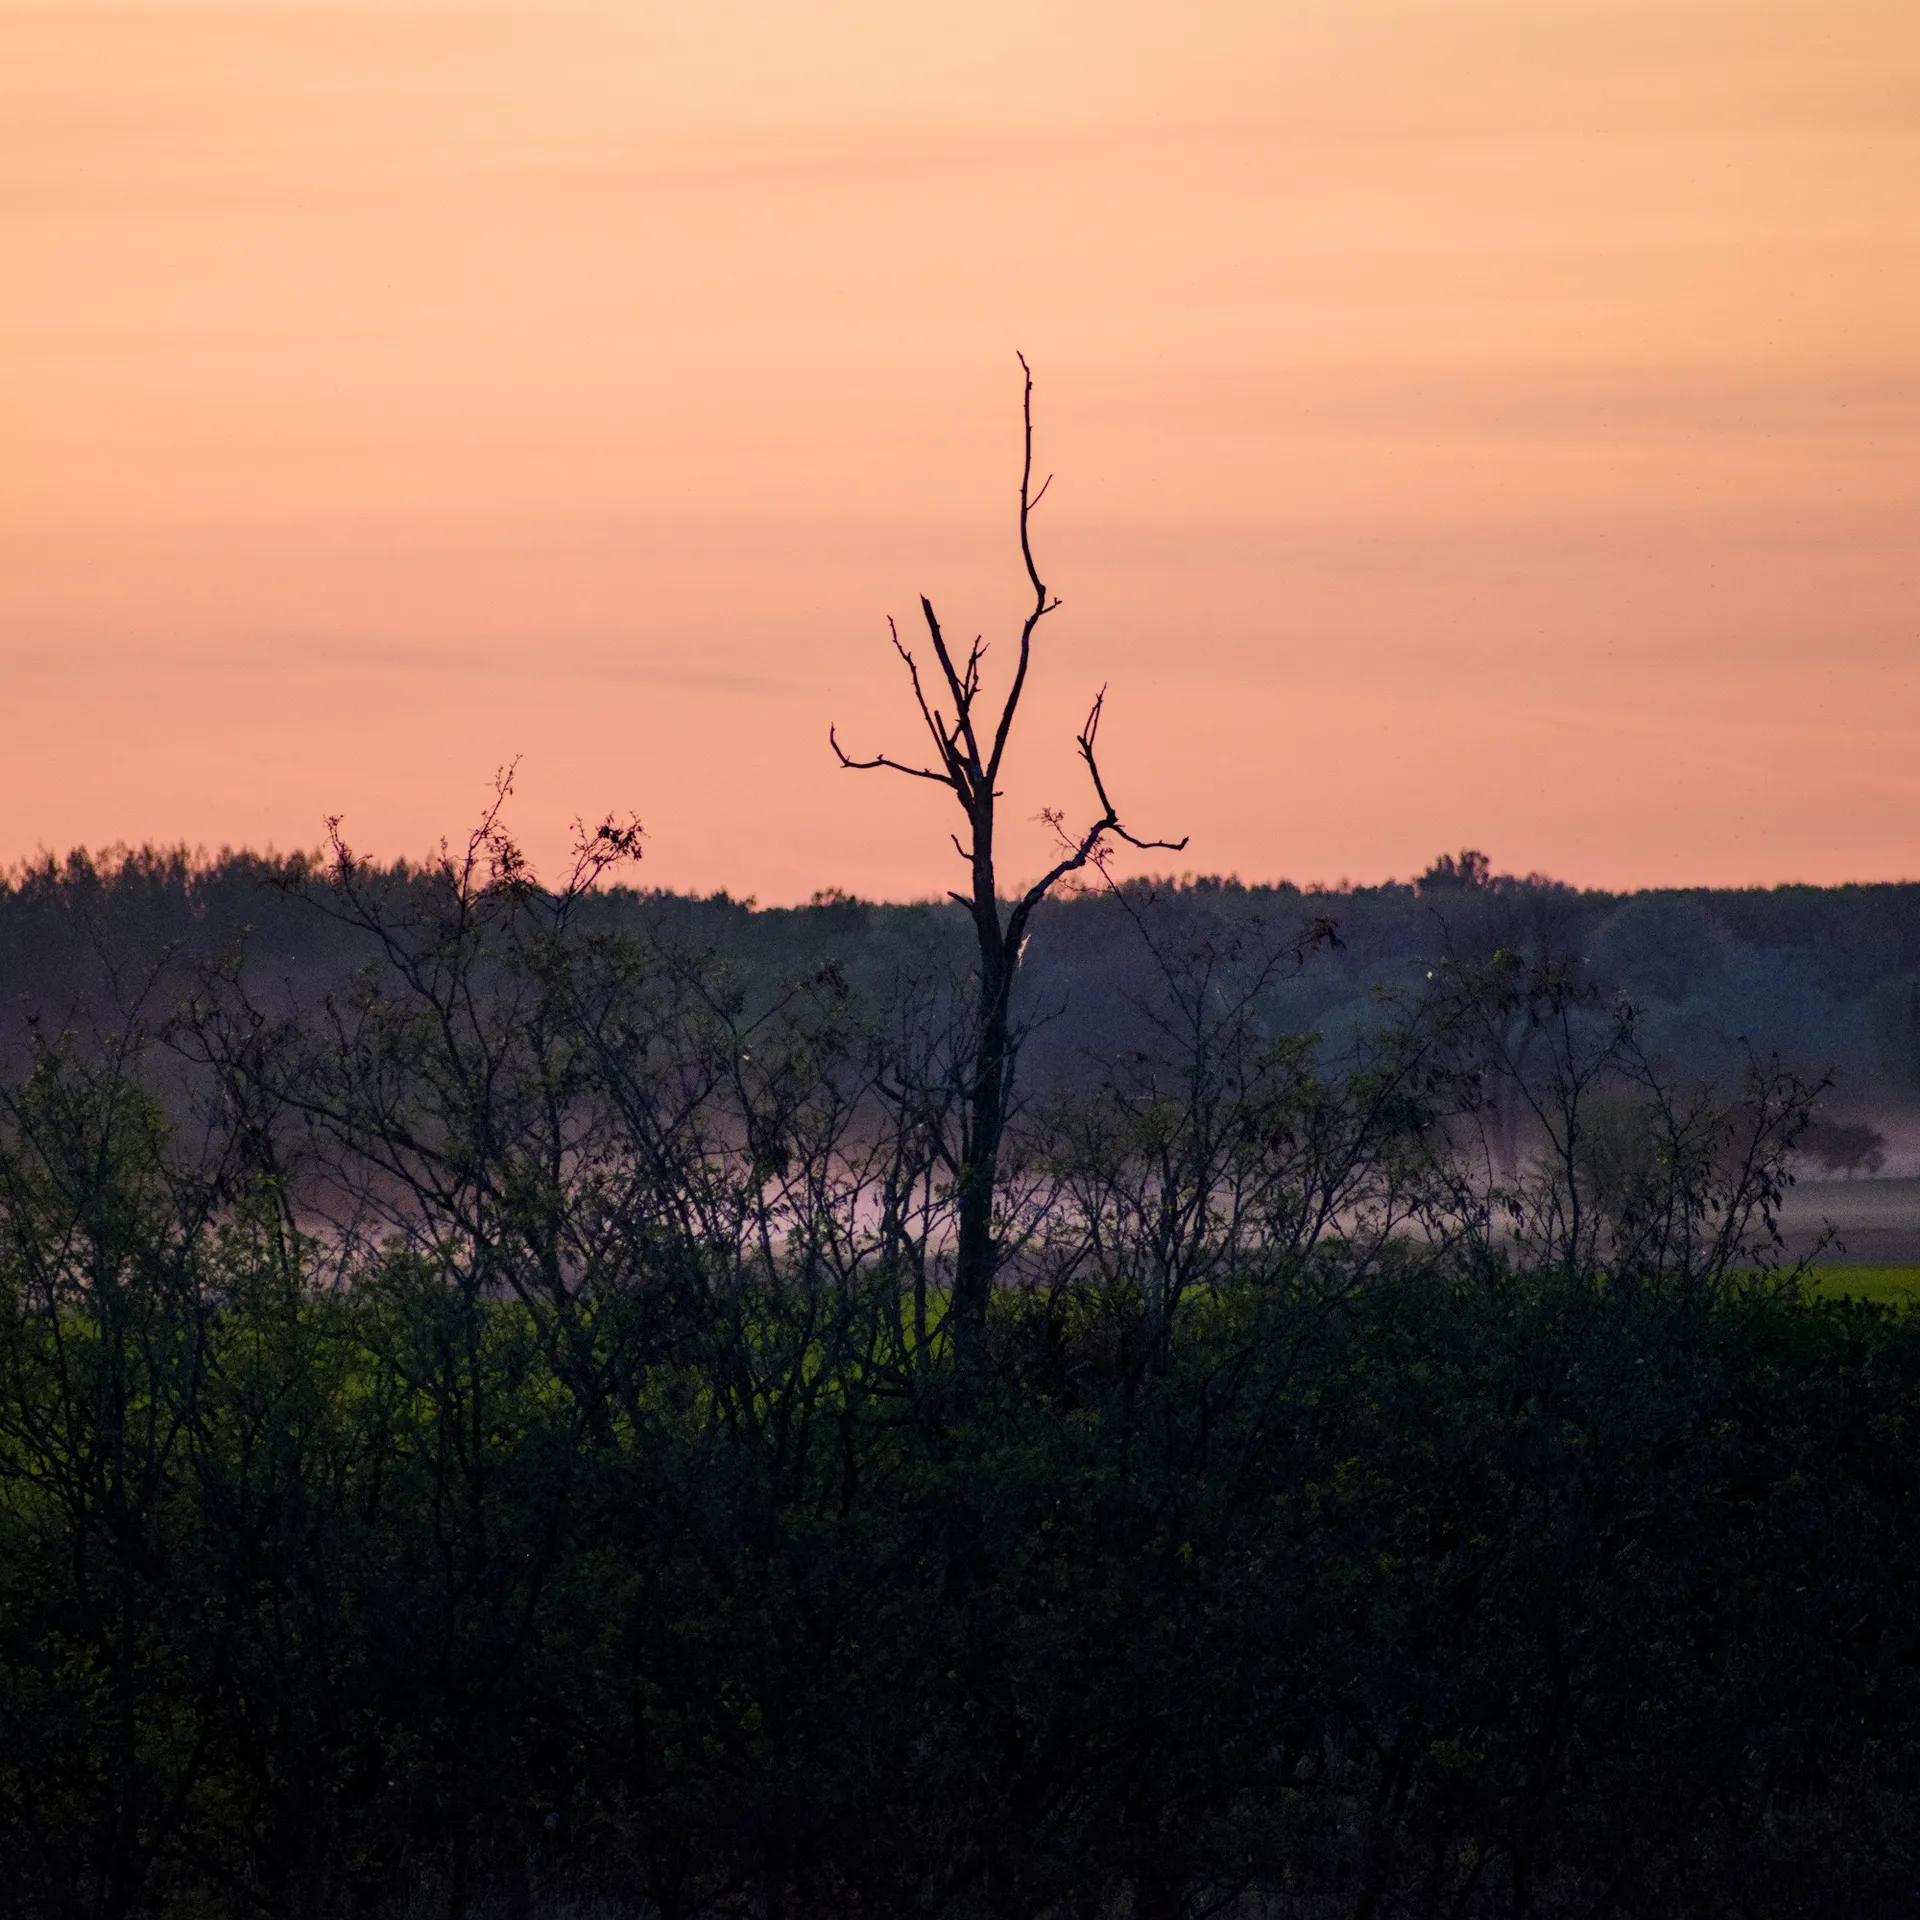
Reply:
x=1488, y=422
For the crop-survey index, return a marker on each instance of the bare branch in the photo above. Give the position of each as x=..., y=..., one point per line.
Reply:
x=975, y=654
x=1079, y=856
x=962, y=694
x=881, y=760
x=1109, y=814
x=1042, y=606
x=940, y=736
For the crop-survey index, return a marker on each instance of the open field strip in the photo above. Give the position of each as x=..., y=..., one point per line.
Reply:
x=1888, y=1286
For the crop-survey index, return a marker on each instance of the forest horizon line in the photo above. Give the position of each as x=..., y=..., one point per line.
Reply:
x=184, y=862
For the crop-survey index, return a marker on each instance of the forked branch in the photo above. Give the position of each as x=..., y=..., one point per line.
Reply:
x=1087, y=848
x=959, y=763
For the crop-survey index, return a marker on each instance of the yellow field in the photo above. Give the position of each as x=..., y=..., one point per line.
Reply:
x=1891, y=1286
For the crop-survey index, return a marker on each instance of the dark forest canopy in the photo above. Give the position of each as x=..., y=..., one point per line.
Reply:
x=1827, y=977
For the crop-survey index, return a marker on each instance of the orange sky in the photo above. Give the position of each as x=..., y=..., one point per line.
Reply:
x=1477, y=421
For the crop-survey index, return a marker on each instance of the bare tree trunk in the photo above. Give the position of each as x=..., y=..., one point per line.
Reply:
x=970, y=768
x=983, y=1124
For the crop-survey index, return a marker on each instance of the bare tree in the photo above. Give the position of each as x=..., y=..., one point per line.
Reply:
x=970, y=769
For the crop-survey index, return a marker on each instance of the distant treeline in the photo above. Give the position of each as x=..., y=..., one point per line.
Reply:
x=485, y=1428
x=1826, y=977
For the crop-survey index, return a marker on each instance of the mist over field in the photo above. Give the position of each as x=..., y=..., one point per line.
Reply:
x=1827, y=980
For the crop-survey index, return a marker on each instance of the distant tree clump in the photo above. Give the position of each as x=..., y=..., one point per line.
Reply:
x=1471, y=869
x=1845, y=1146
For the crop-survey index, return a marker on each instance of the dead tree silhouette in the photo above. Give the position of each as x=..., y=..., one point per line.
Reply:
x=971, y=772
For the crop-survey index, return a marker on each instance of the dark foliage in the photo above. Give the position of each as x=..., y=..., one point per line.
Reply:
x=480, y=1434
x=1828, y=978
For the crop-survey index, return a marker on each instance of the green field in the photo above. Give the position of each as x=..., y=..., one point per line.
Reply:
x=1891, y=1286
